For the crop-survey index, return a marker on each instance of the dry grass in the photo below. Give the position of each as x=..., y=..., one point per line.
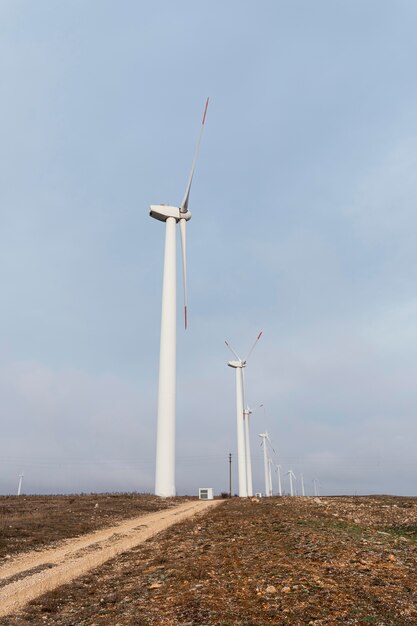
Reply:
x=279, y=561
x=31, y=522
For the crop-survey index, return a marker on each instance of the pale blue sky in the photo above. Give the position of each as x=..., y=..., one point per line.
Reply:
x=303, y=225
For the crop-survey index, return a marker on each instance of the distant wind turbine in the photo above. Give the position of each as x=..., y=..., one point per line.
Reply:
x=291, y=474
x=165, y=439
x=267, y=468
x=19, y=489
x=278, y=471
x=316, y=487
x=247, y=412
x=238, y=365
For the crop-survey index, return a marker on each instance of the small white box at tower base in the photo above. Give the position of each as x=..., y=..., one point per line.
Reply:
x=205, y=493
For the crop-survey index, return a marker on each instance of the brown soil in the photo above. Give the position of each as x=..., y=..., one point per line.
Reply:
x=301, y=561
x=31, y=522
x=31, y=574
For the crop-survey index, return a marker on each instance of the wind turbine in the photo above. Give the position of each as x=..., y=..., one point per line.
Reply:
x=165, y=438
x=291, y=474
x=238, y=365
x=316, y=487
x=246, y=415
x=19, y=489
x=278, y=471
x=302, y=485
x=267, y=469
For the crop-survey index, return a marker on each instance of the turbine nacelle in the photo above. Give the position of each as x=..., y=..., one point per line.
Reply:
x=236, y=364
x=162, y=212
x=248, y=411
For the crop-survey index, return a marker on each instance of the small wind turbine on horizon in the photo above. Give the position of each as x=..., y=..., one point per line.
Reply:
x=238, y=365
x=316, y=487
x=278, y=471
x=247, y=412
x=165, y=439
x=19, y=488
x=267, y=467
x=292, y=476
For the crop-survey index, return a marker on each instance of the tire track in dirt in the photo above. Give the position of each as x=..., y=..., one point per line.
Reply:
x=75, y=557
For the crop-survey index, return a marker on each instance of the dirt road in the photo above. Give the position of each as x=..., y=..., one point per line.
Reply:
x=31, y=574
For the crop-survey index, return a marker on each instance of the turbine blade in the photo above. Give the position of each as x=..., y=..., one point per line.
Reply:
x=259, y=406
x=232, y=351
x=269, y=441
x=183, y=231
x=184, y=204
x=253, y=347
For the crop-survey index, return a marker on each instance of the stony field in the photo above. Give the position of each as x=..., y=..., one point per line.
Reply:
x=32, y=522
x=312, y=561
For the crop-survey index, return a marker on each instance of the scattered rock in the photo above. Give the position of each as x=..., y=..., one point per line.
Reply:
x=201, y=578
x=155, y=585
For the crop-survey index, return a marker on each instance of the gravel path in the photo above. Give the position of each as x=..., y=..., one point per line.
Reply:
x=29, y=575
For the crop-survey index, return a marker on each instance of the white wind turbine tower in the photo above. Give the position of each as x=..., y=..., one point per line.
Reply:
x=246, y=415
x=278, y=471
x=270, y=463
x=238, y=365
x=165, y=438
x=267, y=472
x=316, y=487
x=19, y=489
x=291, y=474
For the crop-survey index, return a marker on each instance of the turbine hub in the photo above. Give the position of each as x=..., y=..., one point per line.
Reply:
x=162, y=212
x=236, y=364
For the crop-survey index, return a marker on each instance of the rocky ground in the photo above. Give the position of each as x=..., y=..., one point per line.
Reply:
x=313, y=561
x=32, y=522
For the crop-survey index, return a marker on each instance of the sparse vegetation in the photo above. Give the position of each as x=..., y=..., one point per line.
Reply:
x=280, y=561
x=28, y=522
